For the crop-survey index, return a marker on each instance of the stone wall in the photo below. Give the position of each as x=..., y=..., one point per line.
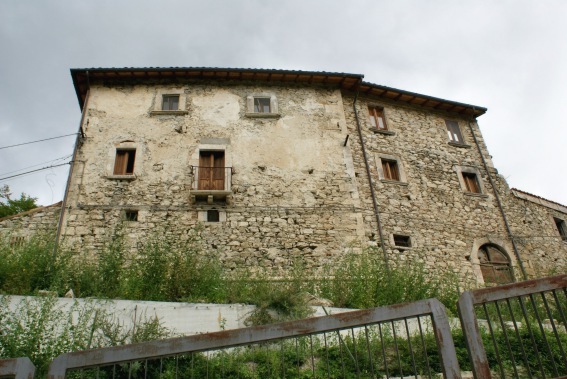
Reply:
x=293, y=194
x=27, y=224
x=298, y=183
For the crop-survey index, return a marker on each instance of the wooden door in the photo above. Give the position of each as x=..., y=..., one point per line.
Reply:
x=211, y=170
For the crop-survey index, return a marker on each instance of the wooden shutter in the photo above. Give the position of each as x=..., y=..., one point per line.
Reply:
x=471, y=182
x=390, y=169
x=211, y=170
x=120, y=162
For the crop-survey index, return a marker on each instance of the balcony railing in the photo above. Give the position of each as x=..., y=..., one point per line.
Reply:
x=211, y=183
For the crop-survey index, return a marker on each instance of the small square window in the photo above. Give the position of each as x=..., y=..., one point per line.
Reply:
x=17, y=241
x=170, y=103
x=561, y=228
x=390, y=169
x=471, y=182
x=376, y=118
x=262, y=105
x=131, y=215
x=124, y=163
x=401, y=240
x=454, y=131
x=213, y=215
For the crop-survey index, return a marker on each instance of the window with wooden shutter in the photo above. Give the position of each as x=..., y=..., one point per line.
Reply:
x=390, y=169
x=454, y=131
x=376, y=118
x=471, y=182
x=494, y=265
x=211, y=170
x=124, y=163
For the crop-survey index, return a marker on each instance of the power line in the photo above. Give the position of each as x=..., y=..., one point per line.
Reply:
x=39, y=164
x=39, y=169
x=41, y=140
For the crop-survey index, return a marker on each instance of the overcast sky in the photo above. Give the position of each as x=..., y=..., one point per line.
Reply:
x=509, y=56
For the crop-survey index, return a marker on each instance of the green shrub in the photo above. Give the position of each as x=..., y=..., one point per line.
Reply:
x=40, y=329
x=364, y=281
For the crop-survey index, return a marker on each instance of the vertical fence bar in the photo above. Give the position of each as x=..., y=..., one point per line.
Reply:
x=535, y=341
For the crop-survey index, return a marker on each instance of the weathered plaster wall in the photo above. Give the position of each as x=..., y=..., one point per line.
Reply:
x=294, y=190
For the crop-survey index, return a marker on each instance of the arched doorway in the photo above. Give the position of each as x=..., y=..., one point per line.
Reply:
x=495, y=265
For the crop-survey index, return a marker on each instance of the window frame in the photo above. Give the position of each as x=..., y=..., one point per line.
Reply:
x=131, y=215
x=466, y=171
x=128, y=166
x=376, y=113
x=169, y=105
x=390, y=170
x=385, y=175
x=203, y=216
x=158, y=102
x=251, y=107
x=561, y=227
x=471, y=182
x=406, y=243
x=451, y=126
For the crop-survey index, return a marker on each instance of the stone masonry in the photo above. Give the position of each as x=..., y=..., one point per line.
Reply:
x=293, y=174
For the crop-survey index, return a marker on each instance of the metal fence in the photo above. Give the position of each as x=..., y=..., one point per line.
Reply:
x=395, y=341
x=17, y=368
x=517, y=330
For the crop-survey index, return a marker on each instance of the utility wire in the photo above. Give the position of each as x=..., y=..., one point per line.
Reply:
x=39, y=164
x=41, y=140
x=39, y=169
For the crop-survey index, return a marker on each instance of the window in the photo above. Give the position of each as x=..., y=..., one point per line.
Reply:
x=131, y=215
x=376, y=117
x=213, y=215
x=494, y=265
x=454, y=131
x=561, y=228
x=471, y=182
x=170, y=103
x=17, y=241
x=262, y=105
x=401, y=240
x=124, y=163
x=390, y=169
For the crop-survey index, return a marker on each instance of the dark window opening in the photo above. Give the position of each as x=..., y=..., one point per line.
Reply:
x=262, y=105
x=213, y=215
x=454, y=131
x=402, y=241
x=561, y=228
x=131, y=215
x=124, y=164
x=170, y=103
x=390, y=169
x=17, y=241
x=494, y=265
x=376, y=116
x=471, y=182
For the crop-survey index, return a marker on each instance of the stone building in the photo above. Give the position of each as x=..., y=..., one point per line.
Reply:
x=278, y=165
